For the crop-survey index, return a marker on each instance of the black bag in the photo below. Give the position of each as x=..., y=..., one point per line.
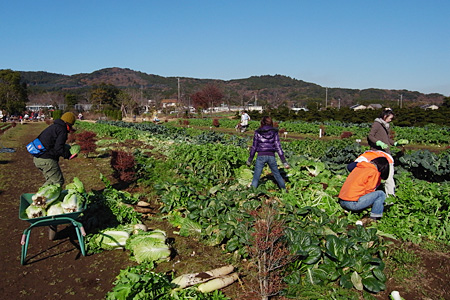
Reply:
x=36, y=147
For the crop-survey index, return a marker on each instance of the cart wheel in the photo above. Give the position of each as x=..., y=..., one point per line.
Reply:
x=52, y=230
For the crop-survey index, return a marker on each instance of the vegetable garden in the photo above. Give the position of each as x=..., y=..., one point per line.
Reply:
x=298, y=245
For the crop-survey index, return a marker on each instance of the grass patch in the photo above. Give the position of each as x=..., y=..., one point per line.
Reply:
x=403, y=263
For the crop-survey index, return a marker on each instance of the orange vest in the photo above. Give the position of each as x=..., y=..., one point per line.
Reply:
x=363, y=180
x=372, y=154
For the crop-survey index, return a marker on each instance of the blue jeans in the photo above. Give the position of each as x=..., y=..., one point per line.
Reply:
x=259, y=166
x=374, y=199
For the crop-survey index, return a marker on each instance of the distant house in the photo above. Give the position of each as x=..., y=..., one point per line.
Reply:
x=169, y=103
x=374, y=106
x=430, y=106
x=296, y=109
x=38, y=107
x=358, y=107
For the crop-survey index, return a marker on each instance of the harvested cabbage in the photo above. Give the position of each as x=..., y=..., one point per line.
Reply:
x=149, y=246
x=111, y=239
x=34, y=211
x=244, y=175
x=75, y=149
x=55, y=209
x=72, y=202
x=76, y=186
x=46, y=195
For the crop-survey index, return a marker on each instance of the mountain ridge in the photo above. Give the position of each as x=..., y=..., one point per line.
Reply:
x=271, y=90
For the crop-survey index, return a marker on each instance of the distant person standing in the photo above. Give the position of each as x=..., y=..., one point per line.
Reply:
x=379, y=138
x=379, y=135
x=266, y=142
x=245, y=118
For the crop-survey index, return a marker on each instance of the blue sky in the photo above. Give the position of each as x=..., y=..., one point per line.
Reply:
x=347, y=44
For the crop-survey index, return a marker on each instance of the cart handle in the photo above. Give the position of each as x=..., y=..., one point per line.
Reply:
x=22, y=241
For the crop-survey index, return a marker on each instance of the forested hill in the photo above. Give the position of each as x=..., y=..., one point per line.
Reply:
x=267, y=89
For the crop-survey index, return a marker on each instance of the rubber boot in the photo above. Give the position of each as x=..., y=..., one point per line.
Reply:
x=52, y=230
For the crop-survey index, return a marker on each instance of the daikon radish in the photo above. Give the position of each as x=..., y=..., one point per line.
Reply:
x=218, y=283
x=195, y=278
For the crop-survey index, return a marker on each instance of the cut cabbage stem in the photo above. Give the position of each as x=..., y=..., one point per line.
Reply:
x=195, y=278
x=218, y=283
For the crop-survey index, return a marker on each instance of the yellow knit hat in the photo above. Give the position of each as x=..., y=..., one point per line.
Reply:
x=69, y=118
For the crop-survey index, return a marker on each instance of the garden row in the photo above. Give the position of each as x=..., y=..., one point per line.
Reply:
x=429, y=134
x=202, y=187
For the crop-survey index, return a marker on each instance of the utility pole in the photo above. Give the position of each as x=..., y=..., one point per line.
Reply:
x=401, y=100
x=179, y=90
x=326, y=97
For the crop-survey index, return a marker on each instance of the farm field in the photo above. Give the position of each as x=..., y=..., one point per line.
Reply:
x=417, y=266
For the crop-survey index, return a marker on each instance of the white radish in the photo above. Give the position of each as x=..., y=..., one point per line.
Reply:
x=395, y=295
x=195, y=278
x=218, y=283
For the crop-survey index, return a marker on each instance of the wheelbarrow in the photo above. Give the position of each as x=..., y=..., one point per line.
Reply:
x=25, y=201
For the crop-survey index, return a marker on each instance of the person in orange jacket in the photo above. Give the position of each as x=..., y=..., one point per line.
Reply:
x=389, y=185
x=360, y=188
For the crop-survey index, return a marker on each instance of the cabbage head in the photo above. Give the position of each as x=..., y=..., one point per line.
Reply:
x=75, y=149
x=110, y=239
x=244, y=175
x=46, y=195
x=76, y=186
x=34, y=211
x=55, y=209
x=72, y=202
x=149, y=246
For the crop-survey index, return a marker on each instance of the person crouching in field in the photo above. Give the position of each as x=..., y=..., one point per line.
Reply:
x=360, y=188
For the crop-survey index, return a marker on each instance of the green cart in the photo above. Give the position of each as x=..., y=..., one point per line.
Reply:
x=25, y=201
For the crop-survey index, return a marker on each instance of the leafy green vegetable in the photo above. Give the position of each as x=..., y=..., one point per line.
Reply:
x=244, y=175
x=34, y=211
x=76, y=185
x=46, y=194
x=149, y=246
x=110, y=239
x=75, y=149
x=72, y=202
x=55, y=209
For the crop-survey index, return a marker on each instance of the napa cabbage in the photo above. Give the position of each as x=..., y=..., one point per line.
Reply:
x=72, y=202
x=34, y=211
x=244, y=175
x=75, y=149
x=76, y=186
x=55, y=209
x=46, y=195
x=110, y=239
x=149, y=246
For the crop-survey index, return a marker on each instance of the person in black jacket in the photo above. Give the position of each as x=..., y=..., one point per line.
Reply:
x=266, y=142
x=54, y=140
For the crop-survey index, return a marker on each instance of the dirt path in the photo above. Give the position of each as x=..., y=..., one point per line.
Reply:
x=55, y=269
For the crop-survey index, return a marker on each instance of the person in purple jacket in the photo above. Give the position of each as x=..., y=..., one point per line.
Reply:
x=266, y=142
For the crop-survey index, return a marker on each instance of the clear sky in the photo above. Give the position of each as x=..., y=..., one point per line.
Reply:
x=358, y=44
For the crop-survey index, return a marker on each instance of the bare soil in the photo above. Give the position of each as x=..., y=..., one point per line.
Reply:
x=57, y=270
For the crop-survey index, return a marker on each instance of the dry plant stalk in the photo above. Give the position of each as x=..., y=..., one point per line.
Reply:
x=268, y=250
